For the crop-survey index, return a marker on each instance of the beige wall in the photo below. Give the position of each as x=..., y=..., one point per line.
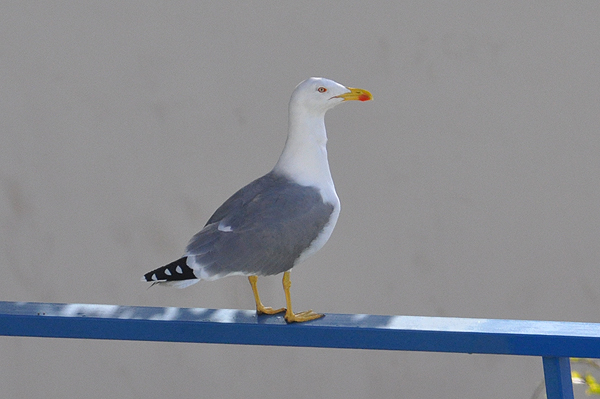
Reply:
x=469, y=187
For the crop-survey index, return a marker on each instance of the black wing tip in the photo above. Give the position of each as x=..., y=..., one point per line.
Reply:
x=174, y=271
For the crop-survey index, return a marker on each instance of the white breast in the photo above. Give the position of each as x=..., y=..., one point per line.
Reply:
x=322, y=238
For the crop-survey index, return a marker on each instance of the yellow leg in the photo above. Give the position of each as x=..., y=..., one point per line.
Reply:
x=260, y=309
x=290, y=316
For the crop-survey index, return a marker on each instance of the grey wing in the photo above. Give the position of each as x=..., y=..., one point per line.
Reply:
x=237, y=201
x=262, y=229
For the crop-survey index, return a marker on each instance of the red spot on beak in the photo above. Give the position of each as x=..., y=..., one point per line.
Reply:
x=363, y=97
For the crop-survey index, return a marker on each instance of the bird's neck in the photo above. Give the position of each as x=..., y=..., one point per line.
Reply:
x=304, y=157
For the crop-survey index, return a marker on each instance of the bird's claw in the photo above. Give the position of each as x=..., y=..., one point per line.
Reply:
x=269, y=310
x=302, y=316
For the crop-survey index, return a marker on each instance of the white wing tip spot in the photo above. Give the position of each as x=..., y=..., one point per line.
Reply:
x=154, y=278
x=167, y=272
x=179, y=270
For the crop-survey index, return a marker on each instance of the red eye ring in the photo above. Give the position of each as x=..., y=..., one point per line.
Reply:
x=322, y=89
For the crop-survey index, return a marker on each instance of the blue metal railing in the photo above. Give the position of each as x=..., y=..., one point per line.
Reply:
x=554, y=341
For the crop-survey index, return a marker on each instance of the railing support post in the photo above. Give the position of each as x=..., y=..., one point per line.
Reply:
x=557, y=375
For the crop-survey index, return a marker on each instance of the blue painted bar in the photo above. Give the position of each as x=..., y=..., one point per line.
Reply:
x=227, y=326
x=557, y=374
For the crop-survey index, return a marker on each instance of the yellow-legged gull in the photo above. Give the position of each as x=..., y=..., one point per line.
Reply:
x=278, y=220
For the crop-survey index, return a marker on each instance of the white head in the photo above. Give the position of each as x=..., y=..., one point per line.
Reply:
x=304, y=157
x=317, y=95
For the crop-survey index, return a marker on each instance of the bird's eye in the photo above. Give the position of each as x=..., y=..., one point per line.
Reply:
x=321, y=89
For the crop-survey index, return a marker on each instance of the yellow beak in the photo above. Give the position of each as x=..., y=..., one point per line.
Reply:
x=356, y=94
